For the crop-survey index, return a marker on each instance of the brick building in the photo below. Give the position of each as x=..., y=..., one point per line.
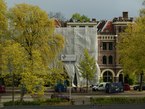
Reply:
x=108, y=58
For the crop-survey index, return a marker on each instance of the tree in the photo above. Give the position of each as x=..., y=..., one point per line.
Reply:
x=3, y=18
x=16, y=65
x=3, y=26
x=30, y=27
x=142, y=11
x=81, y=18
x=131, y=48
x=56, y=72
x=87, y=67
x=13, y=62
x=57, y=15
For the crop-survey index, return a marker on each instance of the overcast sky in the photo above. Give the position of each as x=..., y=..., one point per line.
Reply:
x=99, y=9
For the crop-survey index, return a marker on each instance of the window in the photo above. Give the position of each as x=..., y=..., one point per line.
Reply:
x=120, y=29
x=107, y=45
x=107, y=77
x=101, y=85
x=73, y=26
x=104, y=60
x=110, y=60
x=110, y=45
x=81, y=26
x=104, y=46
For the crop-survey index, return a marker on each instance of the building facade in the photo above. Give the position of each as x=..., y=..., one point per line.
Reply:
x=108, y=57
x=107, y=34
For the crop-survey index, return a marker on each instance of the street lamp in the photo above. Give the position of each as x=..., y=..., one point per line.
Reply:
x=70, y=97
x=70, y=88
x=70, y=59
x=64, y=58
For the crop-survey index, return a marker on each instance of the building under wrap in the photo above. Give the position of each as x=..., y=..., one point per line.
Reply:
x=76, y=40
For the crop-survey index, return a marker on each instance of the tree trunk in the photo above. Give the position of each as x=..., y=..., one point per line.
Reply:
x=141, y=77
x=23, y=92
x=13, y=89
x=87, y=84
x=22, y=97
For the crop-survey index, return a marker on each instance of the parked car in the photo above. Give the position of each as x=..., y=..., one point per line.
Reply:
x=126, y=87
x=114, y=87
x=95, y=87
x=60, y=88
x=60, y=96
x=136, y=87
x=102, y=86
x=2, y=89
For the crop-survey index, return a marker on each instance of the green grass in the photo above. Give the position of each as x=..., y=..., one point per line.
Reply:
x=118, y=100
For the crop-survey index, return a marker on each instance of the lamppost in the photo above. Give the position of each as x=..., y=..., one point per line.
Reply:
x=70, y=97
x=70, y=88
x=64, y=58
x=69, y=59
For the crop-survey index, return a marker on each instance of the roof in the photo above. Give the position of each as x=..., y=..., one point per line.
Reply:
x=108, y=27
x=57, y=23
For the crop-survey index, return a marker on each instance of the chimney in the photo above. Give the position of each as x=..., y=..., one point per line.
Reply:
x=125, y=15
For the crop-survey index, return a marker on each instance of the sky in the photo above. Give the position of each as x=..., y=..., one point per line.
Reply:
x=99, y=9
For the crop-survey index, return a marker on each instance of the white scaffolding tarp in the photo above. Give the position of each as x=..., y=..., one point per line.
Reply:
x=76, y=40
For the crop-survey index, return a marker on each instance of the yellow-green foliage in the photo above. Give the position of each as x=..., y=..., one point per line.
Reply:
x=80, y=18
x=31, y=27
x=34, y=84
x=131, y=47
x=31, y=48
x=12, y=61
x=12, y=56
x=3, y=18
x=87, y=66
x=56, y=72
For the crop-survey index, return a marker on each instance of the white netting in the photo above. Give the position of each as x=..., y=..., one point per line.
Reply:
x=76, y=40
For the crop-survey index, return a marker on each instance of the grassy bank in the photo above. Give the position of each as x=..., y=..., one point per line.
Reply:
x=54, y=101
x=118, y=100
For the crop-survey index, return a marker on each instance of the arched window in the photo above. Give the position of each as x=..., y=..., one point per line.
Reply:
x=104, y=60
x=107, y=76
x=110, y=59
